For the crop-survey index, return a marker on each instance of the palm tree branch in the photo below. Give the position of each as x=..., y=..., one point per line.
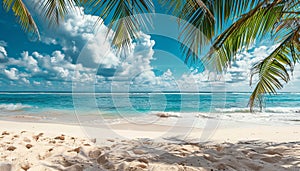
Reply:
x=122, y=16
x=252, y=25
x=201, y=20
x=55, y=10
x=274, y=68
x=24, y=17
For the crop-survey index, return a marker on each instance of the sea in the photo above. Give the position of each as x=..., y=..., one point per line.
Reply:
x=145, y=107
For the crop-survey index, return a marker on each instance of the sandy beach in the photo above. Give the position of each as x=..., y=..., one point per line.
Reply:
x=231, y=146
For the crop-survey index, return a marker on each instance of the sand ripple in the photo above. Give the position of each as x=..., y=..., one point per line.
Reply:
x=40, y=152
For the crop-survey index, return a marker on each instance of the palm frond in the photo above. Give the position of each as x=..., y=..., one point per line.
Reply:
x=24, y=17
x=203, y=19
x=267, y=18
x=123, y=18
x=274, y=69
x=230, y=9
x=196, y=22
x=242, y=33
x=55, y=10
x=177, y=6
x=196, y=31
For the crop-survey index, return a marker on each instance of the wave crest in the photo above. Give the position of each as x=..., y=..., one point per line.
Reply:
x=13, y=107
x=266, y=110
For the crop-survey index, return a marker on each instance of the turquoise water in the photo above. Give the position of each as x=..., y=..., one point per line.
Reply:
x=58, y=106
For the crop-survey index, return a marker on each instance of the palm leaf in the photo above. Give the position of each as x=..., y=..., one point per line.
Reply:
x=24, y=17
x=273, y=70
x=242, y=33
x=123, y=18
x=55, y=10
x=203, y=20
x=197, y=28
x=268, y=17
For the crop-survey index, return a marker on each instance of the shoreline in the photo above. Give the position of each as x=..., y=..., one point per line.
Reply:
x=161, y=119
x=222, y=131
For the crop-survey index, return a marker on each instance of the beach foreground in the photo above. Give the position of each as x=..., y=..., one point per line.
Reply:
x=45, y=146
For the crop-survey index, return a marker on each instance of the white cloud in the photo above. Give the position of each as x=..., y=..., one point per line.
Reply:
x=74, y=32
x=139, y=58
x=3, y=52
x=98, y=51
x=55, y=67
x=49, y=40
x=78, y=31
x=26, y=61
x=36, y=83
x=52, y=67
x=25, y=80
x=236, y=78
x=11, y=73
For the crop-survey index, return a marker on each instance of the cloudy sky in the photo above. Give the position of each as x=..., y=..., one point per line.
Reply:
x=75, y=56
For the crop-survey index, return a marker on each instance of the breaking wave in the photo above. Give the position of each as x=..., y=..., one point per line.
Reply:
x=13, y=107
x=266, y=110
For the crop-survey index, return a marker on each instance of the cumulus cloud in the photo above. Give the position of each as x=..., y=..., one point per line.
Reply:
x=25, y=80
x=133, y=71
x=56, y=68
x=240, y=70
x=78, y=36
x=26, y=61
x=3, y=52
x=236, y=78
x=138, y=60
x=36, y=83
x=74, y=32
x=11, y=73
x=46, y=68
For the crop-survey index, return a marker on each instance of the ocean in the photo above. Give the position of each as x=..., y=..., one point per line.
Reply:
x=96, y=108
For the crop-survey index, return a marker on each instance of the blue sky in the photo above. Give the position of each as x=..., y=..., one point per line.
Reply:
x=73, y=56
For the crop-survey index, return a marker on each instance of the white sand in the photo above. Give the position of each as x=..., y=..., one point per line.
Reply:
x=232, y=146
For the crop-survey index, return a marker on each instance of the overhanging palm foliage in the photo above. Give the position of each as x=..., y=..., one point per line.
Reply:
x=123, y=18
x=204, y=20
x=279, y=65
x=277, y=18
x=252, y=25
x=252, y=20
x=22, y=13
x=55, y=10
x=274, y=69
x=119, y=13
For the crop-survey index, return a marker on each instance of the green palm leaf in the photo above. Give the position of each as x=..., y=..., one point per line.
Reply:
x=273, y=70
x=204, y=19
x=242, y=33
x=267, y=17
x=55, y=10
x=123, y=19
x=22, y=13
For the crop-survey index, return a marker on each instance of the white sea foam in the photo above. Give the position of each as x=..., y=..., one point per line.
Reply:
x=232, y=110
x=266, y=110
x=13, y=107
x=166, y=114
